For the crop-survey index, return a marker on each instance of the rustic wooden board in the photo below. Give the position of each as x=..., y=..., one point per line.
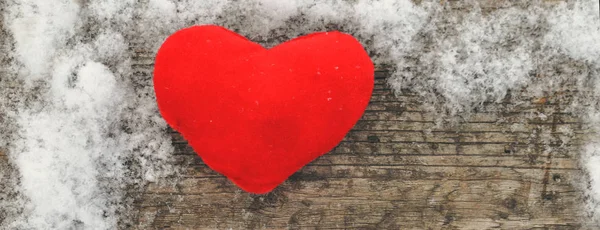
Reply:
x=502, y=167
x=397, y=169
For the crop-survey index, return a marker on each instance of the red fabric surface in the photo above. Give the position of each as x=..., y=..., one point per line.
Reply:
x=258, y=115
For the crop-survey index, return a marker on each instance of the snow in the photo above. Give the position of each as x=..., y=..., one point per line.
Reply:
x=477, y=59
x=40, y=26
x=574, y=31
x=75, y=140
x=82, y=127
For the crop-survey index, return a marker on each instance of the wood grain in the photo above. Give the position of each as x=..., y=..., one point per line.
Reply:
x=397, y=169
x=505, y=166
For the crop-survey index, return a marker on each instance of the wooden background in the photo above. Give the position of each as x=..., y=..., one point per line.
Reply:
x=397, y=170
x=504, y=167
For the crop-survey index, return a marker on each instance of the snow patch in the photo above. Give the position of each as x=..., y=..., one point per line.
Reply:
x=39, y=28
x=87, y=131
x=63, y=153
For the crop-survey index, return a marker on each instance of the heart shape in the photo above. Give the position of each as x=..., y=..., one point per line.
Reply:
x=258, y=115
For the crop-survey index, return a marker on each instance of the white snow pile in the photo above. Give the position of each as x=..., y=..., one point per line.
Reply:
x=83, y=133
x=88, y=132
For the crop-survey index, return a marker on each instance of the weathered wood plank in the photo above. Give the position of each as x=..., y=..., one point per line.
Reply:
x=398, y=169
x=364, y=202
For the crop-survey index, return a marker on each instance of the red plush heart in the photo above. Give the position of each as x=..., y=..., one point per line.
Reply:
x=258, y=115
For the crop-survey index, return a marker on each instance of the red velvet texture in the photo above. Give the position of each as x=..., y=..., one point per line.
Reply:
x=258, y=115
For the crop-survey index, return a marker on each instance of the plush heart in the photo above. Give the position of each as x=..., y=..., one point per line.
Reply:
x=258, y=115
